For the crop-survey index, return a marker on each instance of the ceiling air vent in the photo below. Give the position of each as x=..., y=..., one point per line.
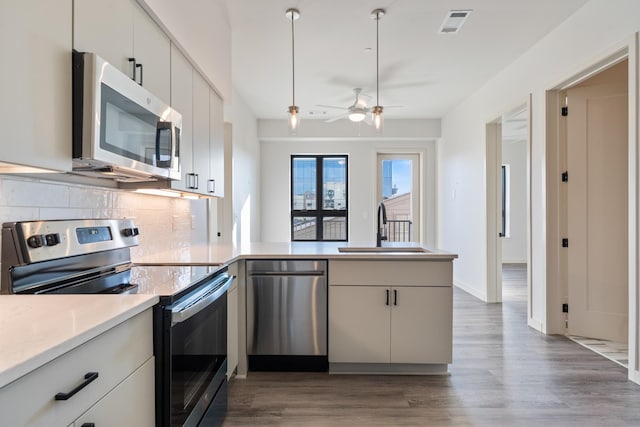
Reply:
x=454, y=21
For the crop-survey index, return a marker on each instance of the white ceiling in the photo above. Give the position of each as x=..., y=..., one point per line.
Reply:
x=425, y=72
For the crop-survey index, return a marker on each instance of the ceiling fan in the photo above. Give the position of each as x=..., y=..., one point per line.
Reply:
x=356, y=112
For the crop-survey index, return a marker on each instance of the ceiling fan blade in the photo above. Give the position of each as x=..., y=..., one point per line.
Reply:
x=333, y=119
x=331, y=106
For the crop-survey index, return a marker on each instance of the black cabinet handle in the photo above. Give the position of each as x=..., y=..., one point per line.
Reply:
x=141, y=69
x=387, y=303
x=192, y=181
x=395, y=297
x=211, y=186
x=88, y=377
x=133, y=60
x=88, y=425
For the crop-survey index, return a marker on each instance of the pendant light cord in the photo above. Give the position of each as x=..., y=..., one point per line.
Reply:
x=293, y=60
x=377, y=59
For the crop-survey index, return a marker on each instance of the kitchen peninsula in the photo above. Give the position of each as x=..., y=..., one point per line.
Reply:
x=389, y=309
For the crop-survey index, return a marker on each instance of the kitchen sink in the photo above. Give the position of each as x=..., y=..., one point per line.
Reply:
x=383, y=249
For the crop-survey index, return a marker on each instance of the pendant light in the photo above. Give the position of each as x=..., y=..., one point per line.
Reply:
x=294, y=119
x=377, y=14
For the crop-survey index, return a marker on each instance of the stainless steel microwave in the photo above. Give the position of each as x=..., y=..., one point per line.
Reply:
x=121, y=131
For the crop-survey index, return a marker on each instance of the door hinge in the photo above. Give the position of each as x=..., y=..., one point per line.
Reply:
x=565, y=111
x=565, y=243
x=565, y=308
x=565, y=176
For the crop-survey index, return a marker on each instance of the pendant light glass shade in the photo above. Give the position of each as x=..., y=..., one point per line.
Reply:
x=377, y=118
x=294, y=117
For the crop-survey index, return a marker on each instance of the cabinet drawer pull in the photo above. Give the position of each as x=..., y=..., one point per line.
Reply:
x=387, y=303
x=395, y=297
x=211, y=186
x=88, y=425
x=88, y=377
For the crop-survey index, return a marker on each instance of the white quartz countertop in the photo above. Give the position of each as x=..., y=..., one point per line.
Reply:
x=35, y=329
x=222, y=254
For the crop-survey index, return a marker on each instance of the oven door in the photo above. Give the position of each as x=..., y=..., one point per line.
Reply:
x=197, y=353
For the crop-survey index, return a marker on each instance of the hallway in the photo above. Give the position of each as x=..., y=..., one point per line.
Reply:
x=503, y=374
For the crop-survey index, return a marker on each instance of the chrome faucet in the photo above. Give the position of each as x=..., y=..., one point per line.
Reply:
x=380, y=234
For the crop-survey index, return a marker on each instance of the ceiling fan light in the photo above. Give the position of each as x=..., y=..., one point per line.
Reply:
x=356, y=116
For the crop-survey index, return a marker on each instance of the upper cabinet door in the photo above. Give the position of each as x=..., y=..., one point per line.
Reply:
x=152, y=49
x=106, y=29
x=182, y=101
x=117, y=30
x=35, y=87
x=200, y=132
x=215, y=186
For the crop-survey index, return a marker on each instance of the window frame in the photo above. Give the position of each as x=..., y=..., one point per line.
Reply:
x=319, y=213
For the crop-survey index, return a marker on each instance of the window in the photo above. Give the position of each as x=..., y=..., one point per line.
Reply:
x=319, y=215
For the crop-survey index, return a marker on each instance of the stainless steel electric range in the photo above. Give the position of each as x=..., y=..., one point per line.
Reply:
x=190, y=322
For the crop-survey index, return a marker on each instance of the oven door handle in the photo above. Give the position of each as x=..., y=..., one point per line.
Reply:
x=193, y=306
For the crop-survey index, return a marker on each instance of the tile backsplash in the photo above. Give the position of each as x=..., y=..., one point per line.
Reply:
x=165, y=223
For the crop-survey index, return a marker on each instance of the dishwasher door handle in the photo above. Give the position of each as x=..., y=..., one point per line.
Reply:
x=286, y=273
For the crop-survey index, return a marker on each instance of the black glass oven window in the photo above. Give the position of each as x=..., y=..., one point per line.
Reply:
x=126, y=128
x=93, y=234
x=198, y=350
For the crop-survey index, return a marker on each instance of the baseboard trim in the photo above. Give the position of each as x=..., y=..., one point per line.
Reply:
x=390, y=368
x=536, y=324
x=470, y=290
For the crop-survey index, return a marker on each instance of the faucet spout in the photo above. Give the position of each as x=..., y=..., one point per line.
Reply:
x=380, y=229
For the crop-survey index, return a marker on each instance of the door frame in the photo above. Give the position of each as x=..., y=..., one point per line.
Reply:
x=493, y=163
x=416, y=190
x=555, y=159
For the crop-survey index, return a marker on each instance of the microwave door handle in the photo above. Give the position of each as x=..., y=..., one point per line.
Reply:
x=160, y=128
x=180, y=315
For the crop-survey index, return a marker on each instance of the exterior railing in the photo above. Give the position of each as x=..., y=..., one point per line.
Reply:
x=399, y=230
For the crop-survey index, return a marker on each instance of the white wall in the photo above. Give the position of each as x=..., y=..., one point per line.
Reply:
x=246, y=166
x=165, y=223
x=417, y=137
x=595, y=31
x=514, y=247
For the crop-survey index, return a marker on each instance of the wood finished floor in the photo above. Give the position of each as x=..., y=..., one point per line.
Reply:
x=503, y=374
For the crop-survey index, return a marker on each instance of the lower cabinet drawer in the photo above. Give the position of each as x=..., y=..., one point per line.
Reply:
x=113, y=355
x=131, y=403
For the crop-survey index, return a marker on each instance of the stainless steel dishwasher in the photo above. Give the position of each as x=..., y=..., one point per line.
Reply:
x=287, y=315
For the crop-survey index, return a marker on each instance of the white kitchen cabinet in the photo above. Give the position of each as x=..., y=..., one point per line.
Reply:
x=232, y=322
x=182, y=101
x=129, y=404
x=390, y=312
x=421, y=324
x=359, y=326
x=117, y=30
x=35, y=105
x=114, y=355
x=200, y=174
x=215, y=184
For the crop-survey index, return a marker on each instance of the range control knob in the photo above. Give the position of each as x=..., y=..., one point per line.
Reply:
x=36, y=241
x=130, y=232
x=52, y=239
